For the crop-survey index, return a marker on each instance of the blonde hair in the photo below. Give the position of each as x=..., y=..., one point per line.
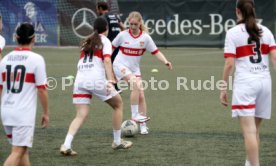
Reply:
x=138, y=16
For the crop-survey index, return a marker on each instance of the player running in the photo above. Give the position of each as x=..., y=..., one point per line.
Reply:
x=247, y=47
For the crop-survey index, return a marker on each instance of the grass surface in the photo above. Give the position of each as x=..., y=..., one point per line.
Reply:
x=187, y=127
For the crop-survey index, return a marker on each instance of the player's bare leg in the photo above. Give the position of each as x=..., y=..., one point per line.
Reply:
x=135, y=86
x=249, y=129
x=117, y=116
x=82, y=113
x=25, y=161
x=258, y=125
x=16, y=156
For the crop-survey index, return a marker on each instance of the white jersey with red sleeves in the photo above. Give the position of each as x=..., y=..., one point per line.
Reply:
x=2, y=43
x=92, y=67
x=132, y=48
x=22, y=72
x=251, y=58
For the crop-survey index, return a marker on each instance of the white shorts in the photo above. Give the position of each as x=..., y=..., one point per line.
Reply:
x=121, y=71
x=20, y=135
x=83, y=91
x=252, y=99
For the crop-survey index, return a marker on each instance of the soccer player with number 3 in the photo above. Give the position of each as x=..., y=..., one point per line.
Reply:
x=247, y=48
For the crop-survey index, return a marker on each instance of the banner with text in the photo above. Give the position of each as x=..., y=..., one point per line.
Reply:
x=40, y=13
x=193, y=23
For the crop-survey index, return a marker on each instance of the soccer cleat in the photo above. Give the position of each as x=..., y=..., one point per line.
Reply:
x=124, y=145
x=67, y=152
x=144, y=130
x=140, y=118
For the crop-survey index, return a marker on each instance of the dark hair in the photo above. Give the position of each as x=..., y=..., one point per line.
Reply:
x=249, y=18
x=25, y=33
x=102, y=5
x=94, y=41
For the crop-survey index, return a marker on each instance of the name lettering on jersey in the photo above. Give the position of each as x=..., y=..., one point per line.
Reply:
x=258, y=68
x=85, y=67
x=7, y=102
x=18, y=58
x=132, y=51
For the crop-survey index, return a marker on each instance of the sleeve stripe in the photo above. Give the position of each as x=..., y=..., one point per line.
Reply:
x=114, y=47
x=272, y=48
x=155, y=52
x=107, y=56
x=229, y=55
x=42, y=86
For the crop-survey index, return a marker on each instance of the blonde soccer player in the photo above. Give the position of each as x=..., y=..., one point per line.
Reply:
x=95, y=77
x=133, y=42
x=247, y=48
x=23, y=77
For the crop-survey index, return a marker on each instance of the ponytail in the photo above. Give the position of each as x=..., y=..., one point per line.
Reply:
x=249, y=19
x=94, y=42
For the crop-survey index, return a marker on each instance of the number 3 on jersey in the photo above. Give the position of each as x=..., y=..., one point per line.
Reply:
x=258, y=57
x=15, y=79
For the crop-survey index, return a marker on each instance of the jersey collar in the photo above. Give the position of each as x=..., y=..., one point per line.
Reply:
x=133, y=35
x=22, y=49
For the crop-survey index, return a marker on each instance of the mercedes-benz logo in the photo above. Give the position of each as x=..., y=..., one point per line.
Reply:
x=82, y=22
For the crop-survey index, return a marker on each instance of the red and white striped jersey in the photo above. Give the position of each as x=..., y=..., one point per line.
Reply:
x=251, y=58
x=92, y=67
x=2, y=43
x=132, y=48
x=22, y=72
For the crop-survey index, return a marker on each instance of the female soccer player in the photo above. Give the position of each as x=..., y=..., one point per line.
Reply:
x=133, y=43
x=93, y=68
x=23, y=76
x=247, y=47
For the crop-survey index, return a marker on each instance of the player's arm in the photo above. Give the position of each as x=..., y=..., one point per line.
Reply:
x=41, y=83
x=273, y=58
x=43, y=97
x=163, y=59
x=109, y=71
x=227, y=71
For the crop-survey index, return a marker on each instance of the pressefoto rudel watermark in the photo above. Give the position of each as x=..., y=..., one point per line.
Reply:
x=182, y=84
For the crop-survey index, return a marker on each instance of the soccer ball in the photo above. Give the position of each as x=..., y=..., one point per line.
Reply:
x=129, y=128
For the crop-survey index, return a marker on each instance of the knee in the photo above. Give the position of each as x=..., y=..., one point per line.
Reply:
x=134, y=84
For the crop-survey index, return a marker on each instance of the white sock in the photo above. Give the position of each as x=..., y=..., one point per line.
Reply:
x=144, y=124
x=134, y=110
x=247, y=163
x=117, y=136
x=68, y=140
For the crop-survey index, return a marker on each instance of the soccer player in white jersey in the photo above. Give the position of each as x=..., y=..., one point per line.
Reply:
x=2, y=39
x=95, y=77
x=23, y=77
x=133, y=43
x=247, y=48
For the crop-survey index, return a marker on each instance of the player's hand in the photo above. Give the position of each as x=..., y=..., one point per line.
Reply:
x=44, y=121
x=224, y=98
x=169, y=65
x=110, y=86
